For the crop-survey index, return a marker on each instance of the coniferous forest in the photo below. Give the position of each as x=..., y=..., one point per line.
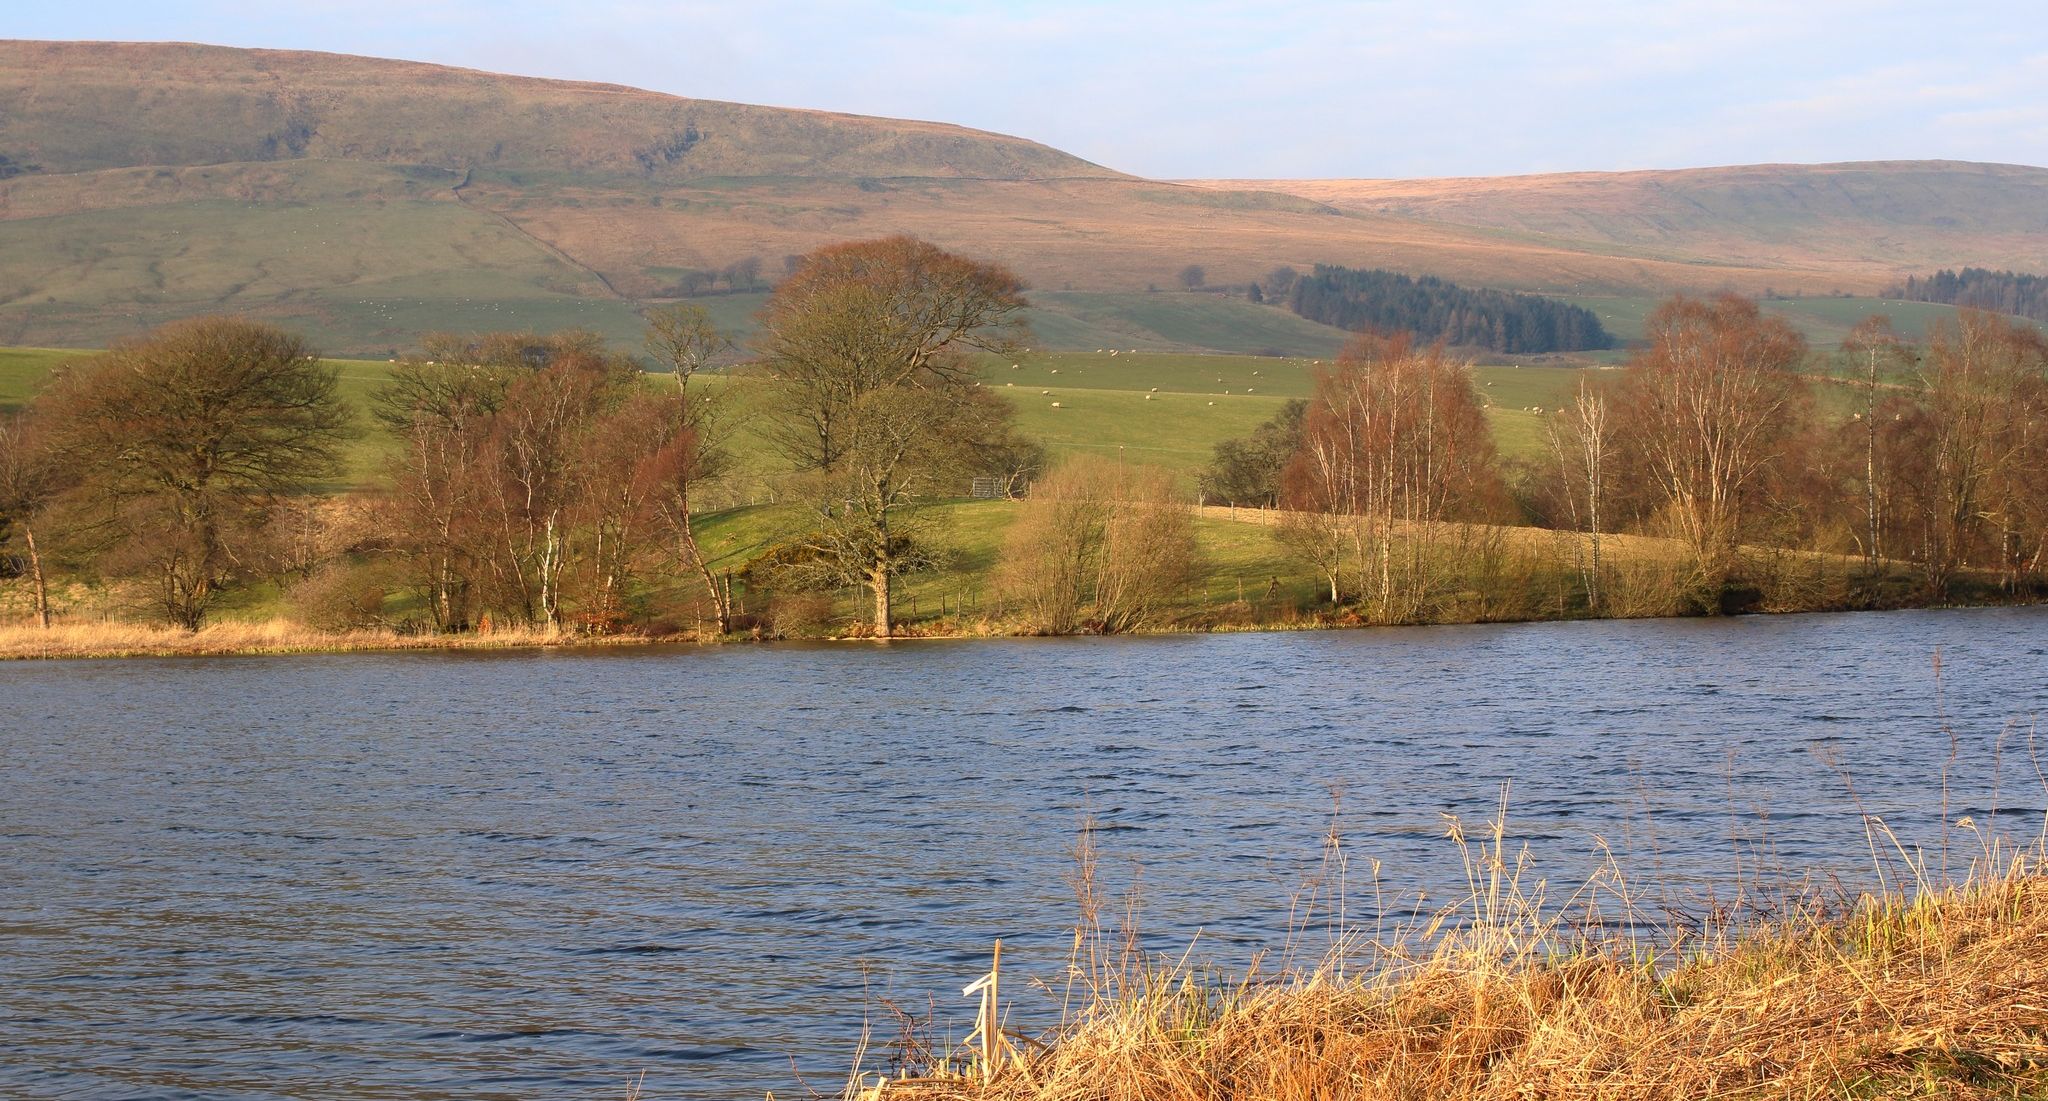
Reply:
x=1433, y=309
x=2007, y=292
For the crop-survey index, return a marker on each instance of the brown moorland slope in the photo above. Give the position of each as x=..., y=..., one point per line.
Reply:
x=1856, y=217
x=367, y=200
x=80, y=106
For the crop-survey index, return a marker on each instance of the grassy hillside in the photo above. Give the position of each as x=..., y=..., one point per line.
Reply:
x=22, y=370
x=177, y=103
x=365, y=202
x=1908, y=215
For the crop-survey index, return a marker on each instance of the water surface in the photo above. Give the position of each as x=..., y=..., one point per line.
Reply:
x=536, y=875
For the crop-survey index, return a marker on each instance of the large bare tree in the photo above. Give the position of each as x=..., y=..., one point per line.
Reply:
x=183, y=439
x=1707, y=409
x=868, y=349
x=1394, y=443
x=874, y=315
x=1985, y=442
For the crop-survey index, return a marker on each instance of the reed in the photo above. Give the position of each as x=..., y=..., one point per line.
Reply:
x=1921, y=989
x=114, y=638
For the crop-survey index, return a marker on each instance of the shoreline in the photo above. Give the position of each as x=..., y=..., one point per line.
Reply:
x=1928, y=992
x=281, y=638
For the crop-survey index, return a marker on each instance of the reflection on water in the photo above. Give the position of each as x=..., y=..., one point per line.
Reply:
x=531, y=875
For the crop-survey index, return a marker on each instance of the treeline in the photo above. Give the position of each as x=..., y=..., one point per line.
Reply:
x=2008, y=292
x=546, y=482
x=537, y=481
x=1434, y=310
x=1709, y=441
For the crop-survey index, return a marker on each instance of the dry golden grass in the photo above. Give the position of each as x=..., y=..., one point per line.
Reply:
x=1940, y=992
x=109, y=639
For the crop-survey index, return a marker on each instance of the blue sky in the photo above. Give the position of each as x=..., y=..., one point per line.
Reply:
x=1275, y=89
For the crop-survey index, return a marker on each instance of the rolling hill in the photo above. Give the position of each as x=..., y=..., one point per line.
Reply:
x=365, y=201
x=1851, y=218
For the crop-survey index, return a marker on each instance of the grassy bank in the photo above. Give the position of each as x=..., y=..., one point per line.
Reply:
x=1245, y=578
x=1932, y=992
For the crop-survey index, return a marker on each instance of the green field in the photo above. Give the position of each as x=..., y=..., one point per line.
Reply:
x=22, y=370
x=1107, y=403
x=1176, y=321
x=1166, y=409
x=1824, y=322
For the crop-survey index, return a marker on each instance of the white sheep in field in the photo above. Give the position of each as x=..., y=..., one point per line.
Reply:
x=1055, y=405
x=1148, y=397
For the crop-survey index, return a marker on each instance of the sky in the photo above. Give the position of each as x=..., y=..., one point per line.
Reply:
x=1276, y=89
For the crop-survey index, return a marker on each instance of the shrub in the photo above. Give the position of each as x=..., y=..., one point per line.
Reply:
x=340, y=596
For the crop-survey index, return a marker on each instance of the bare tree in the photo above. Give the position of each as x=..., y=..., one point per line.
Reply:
x=1394, y=442
x=500, y=477
x=1873, y=347
x=684, y=339
x=1246, y=470
x=743, y=274
x=1580, y=438
x=31, y=480
x=1985, y=383
x=873, y=393
x=182, y=439
x=873, y=315
x=1280, y=281
x=1707, y=409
